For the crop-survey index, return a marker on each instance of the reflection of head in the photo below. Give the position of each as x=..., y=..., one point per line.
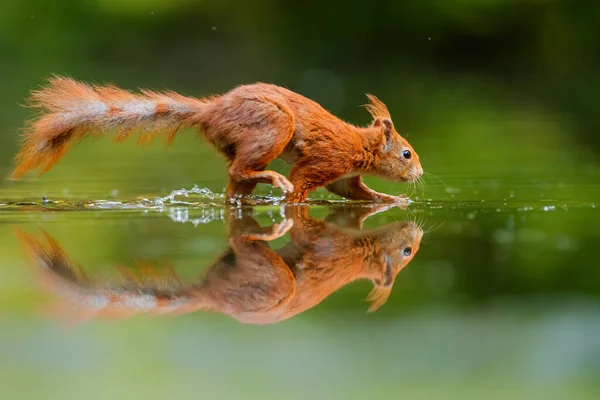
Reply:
x=397, y=247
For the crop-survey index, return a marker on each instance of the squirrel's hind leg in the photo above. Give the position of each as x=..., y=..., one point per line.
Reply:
x=239, y=188
x=263, y=130
x=243, y=180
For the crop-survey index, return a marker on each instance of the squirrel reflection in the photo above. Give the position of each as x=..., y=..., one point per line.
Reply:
x=250, y=282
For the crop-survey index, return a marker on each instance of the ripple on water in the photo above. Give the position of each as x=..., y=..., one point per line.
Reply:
x=203, y=198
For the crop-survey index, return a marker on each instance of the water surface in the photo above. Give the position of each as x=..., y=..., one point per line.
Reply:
x=178, y=295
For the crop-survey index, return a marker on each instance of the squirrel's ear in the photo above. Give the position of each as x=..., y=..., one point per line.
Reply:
x=386, y=279
x=387, y=128
x=388, y=274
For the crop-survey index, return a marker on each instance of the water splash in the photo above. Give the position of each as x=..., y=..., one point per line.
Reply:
x=204, y=193
x=203, y=197
x=194, y=198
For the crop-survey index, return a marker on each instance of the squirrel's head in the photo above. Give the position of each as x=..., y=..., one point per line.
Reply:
x=398, y=244
x=396, y=159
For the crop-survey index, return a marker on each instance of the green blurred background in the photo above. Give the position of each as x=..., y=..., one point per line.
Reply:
x=498, y=97
x=487, y=89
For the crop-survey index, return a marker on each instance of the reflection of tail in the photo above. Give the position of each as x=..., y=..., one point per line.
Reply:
x=84, y=298
x=73, y=110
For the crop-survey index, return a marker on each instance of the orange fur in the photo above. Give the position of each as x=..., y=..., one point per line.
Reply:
x=250, y=282
x=73, y=110
x=250, y=125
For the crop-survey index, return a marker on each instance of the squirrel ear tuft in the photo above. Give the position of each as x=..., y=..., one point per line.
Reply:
x=376, y=107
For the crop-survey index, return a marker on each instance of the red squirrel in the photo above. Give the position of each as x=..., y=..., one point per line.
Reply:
x=251, y=125
x=250, y=282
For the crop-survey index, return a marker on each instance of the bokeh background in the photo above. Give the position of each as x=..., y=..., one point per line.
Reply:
x=498, y=97
x=495, y=88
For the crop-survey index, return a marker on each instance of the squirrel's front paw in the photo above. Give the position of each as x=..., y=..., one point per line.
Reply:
x=281, y=182
x=385, y=198
x=281, y=229
x=275, y=232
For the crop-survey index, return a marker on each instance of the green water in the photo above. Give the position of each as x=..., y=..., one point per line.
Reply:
x=501, y=300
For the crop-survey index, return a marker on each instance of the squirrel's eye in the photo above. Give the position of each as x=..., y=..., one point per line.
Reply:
x=407, y=251
x=406, y=154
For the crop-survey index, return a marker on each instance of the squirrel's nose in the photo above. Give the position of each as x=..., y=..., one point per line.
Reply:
x=420, y=171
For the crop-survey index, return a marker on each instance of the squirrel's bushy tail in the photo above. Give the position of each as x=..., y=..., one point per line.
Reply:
x=72, y=110
x=81, y=297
